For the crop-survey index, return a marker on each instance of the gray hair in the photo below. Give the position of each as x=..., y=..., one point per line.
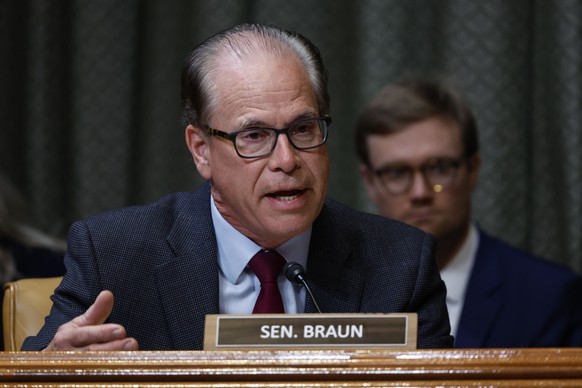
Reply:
x=244, y=40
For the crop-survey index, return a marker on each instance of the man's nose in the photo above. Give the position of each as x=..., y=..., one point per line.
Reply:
x=420, y=187
x=284, y=155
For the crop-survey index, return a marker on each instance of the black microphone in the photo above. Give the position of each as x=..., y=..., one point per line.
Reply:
x=295, y=273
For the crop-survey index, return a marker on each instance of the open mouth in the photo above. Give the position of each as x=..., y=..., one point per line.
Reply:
x=287, y=195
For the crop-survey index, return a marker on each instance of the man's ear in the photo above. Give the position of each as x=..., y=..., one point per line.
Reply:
x=199, y=148
x=473, y=167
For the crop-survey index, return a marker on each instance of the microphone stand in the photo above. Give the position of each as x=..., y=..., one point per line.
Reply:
x=295, y=274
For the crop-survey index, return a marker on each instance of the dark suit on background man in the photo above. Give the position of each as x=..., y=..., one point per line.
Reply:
x=157, y=259
x=497, y=311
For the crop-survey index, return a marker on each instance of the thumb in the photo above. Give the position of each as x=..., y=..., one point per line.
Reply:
x=98, y=312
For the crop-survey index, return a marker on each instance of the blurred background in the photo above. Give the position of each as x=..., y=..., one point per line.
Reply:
x=90, y=105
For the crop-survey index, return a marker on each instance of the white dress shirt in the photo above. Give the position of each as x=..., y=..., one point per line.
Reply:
x=238, y=285
x=456, y=276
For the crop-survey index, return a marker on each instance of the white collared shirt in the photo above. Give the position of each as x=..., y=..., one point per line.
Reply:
x=456, y=276
x=238, y=286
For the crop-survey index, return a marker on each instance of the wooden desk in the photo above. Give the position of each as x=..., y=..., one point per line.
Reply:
x=556, y=367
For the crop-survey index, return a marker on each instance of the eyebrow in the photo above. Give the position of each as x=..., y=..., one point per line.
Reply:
x=259, y=123
x=401, y=163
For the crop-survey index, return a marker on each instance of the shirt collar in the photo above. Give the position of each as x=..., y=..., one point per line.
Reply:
x=235, y=249
x=456, y=273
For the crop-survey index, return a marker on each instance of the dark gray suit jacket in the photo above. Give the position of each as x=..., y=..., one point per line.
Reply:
x=160, y=262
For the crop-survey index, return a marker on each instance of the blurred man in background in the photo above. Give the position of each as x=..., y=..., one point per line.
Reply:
x=419, y=152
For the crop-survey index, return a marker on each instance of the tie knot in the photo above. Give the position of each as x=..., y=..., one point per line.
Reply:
x=267, y=265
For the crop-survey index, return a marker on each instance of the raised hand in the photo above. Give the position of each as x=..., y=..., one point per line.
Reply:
x=89, y=332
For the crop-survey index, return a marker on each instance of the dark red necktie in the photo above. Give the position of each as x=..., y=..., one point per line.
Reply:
x=267, y=265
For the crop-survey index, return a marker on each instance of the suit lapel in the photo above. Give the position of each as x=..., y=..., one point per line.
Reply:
x=481, y=300
x=187, y=291
x=335, y=287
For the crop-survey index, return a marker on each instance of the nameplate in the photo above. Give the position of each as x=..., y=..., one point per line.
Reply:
x=310, y=331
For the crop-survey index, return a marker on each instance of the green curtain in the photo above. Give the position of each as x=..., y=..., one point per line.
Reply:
x=90, y=111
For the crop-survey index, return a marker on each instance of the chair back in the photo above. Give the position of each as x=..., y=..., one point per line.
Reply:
x=26, y=304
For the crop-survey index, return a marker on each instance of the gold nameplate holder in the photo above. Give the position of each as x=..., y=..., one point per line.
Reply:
x=311, y=331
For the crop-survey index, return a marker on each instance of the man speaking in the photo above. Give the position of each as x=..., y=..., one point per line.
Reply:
x=257, y=110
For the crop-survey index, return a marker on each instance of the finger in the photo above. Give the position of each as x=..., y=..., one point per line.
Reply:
x=126, y=344
x=98, y=312
x=87, y=335
x=71, y=337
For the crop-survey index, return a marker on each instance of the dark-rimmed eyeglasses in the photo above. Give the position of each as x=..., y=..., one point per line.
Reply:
x=304, y=134
x=438, y=173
